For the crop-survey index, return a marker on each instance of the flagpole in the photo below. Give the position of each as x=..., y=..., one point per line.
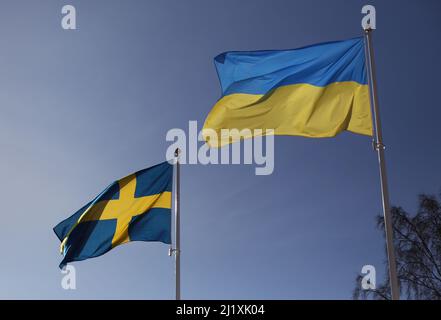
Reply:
x=379, y=147
x=177, y=248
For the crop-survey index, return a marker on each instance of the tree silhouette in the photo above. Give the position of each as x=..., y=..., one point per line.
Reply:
x=417, y=242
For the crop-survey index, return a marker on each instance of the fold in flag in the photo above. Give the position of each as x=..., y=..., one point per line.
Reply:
x=316, y=91
x=134, y=208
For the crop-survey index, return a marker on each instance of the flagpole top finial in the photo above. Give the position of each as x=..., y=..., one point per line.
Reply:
x=177, y=152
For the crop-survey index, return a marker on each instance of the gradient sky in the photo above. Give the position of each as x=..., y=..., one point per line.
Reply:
x=80, y=109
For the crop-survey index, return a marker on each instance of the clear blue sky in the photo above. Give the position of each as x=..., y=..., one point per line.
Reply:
x=79, y=109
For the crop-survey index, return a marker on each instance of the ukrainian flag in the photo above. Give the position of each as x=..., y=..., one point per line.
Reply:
x=134, y=208
x=316, y=91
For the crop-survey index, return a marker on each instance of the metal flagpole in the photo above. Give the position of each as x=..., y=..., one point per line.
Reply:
x=177, y=248
x=379, y=147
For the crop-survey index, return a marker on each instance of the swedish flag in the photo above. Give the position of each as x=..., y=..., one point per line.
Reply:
x=134, y=208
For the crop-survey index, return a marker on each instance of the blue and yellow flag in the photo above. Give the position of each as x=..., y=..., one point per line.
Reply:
x=134, y=208
x=316, y=91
